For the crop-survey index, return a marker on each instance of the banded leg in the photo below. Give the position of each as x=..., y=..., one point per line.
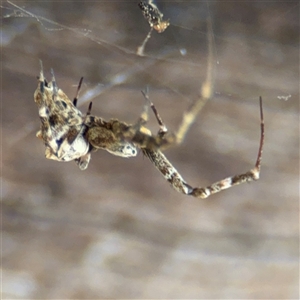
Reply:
x=178, y=183
x=251, y=175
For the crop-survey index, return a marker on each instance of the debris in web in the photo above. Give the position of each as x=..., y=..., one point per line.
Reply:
x=141, y=48
x=285, y=98
x=153, y=15
x=155, y=19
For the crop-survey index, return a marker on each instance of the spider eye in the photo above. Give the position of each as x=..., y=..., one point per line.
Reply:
x=133, y=151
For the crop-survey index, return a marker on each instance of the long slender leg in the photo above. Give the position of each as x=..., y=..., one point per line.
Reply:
x=251, y=175
x=178, y=183
x=42, y=78
x=205, y=93
x=162, y=127
x=165, y=167
x=151, y=145
x=164, y=139
x=138, y=133
x=77, y=92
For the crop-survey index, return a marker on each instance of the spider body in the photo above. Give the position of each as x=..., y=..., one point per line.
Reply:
x=68, y=135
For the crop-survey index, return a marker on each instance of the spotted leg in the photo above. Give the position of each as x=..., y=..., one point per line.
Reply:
x=172, y=175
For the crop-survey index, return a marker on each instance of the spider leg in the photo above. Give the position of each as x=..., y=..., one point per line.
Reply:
x=83, y=161
x=162, y=127
x=138, y=133
x=206, y=91
x=179, y=184
x=165, y=167
x=251, y=175
x=77, y=92
x=42, y=78
x=143, y=119
x=164, y=139
x=54, y=85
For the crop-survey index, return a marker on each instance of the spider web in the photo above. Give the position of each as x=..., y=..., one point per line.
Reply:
x=122, y=210
x=114, y=47
x=184, y=47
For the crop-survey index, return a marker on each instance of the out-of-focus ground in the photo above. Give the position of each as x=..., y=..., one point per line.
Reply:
x=117, y=230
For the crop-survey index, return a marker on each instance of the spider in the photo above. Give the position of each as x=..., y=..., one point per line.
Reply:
x=68, y=135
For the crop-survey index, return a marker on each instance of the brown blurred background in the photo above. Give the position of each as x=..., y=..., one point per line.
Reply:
x=117, y=230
